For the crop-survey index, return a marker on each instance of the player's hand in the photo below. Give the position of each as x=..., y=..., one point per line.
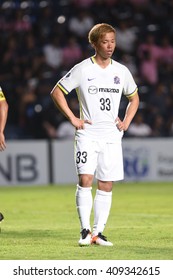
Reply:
x=2, y=142
x=79, y=124
x=120, y=125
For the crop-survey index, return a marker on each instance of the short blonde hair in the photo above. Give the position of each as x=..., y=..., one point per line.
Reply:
x=98, y=31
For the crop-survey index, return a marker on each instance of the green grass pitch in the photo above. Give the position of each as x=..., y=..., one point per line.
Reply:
x=41, y=223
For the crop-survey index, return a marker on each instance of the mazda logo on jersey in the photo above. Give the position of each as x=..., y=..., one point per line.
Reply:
x=92, y=89
x=112, y=90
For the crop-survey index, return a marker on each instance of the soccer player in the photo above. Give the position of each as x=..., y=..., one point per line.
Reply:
x=3, y=119
x=100, y=82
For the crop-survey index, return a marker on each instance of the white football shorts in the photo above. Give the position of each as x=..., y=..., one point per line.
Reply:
x=103, y=159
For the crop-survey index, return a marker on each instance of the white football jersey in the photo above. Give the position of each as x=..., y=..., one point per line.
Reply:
x=99, y=93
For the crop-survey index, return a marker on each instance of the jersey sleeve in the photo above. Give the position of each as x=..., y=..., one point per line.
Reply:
x=130, y=87
x=70, y=81
x=2, y=97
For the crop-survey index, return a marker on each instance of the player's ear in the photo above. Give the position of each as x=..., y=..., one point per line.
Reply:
x=93, y=45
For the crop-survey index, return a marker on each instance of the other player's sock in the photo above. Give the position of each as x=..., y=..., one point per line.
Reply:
x=84, y=202
x=102, y=205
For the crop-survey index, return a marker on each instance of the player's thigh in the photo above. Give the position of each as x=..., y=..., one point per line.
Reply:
x=110, y=163
x=85, y=155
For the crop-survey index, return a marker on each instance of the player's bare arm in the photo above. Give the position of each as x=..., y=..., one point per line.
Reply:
x=61, y=103
x=130, y=113
x=3, y=119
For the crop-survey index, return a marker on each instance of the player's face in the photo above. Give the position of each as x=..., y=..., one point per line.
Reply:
x=106, y=45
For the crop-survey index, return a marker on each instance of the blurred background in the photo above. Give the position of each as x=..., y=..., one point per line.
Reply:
x=41, y=40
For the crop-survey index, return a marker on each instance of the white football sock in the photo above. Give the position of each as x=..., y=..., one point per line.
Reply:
x=102, y=205
x=84, y=202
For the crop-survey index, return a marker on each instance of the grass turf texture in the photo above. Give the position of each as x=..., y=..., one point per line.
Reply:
x=41, y=223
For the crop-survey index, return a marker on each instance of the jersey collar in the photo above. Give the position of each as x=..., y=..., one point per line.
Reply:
x=92, y=58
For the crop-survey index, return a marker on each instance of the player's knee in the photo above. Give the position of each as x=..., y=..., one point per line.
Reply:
x=105, y=186
x=85, y=180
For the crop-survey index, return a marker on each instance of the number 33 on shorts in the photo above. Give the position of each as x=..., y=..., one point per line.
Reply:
x=100, y=157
